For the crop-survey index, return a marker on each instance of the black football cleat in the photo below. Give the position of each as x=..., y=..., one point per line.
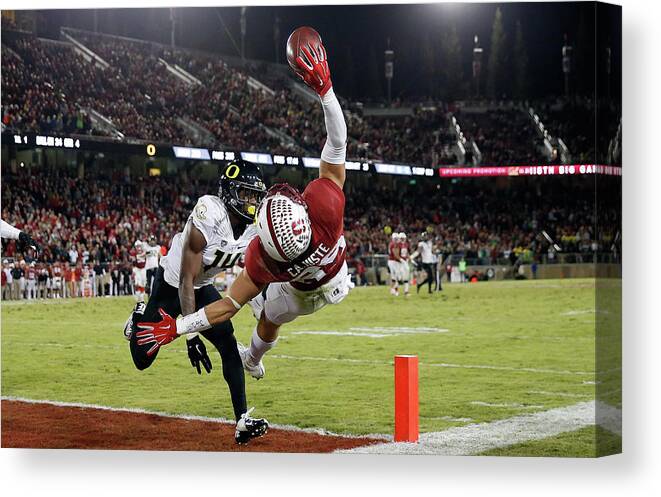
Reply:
x=134, y=317
x=248, y=428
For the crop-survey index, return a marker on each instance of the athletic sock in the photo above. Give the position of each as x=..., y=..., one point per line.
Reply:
x=259, y=347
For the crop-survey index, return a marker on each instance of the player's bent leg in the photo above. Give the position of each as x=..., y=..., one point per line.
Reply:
x=281, y=304
x=164, y=297
x=264, y=338
x=222, y=337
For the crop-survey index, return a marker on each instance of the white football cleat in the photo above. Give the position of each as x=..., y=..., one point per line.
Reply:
x=255, y=370
x=128, y=326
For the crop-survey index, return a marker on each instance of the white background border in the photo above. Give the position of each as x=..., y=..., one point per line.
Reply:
x=98, y=473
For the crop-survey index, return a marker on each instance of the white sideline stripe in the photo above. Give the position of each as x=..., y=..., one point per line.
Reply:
x=562, y=394
x=508, y=405
x=478, y=438
x=451, y=419
x=333, y=359
x=188, y=417
x=578, y=312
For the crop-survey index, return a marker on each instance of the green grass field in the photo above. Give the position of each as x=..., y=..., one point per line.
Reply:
x=487, y=351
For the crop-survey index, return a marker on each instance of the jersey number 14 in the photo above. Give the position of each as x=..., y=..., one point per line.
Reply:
x=223, y=260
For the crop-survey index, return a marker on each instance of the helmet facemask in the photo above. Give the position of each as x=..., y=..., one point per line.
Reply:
x=243, y=199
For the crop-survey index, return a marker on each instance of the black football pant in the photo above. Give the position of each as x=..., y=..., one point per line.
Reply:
x=151, y=273
x=221, y=336
x=431, y=276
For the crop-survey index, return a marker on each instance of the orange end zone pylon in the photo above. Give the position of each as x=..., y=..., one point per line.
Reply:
x=406, y=398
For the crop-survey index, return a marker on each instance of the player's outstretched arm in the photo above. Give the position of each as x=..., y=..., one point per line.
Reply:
x=333, y=155
x=168, y=328
x=240, y=293
x=243, y=290
x=312, y=67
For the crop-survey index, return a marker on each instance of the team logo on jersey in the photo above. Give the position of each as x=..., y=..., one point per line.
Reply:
x=200, y=211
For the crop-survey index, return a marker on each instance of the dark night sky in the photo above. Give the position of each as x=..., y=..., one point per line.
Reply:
x=361, y=30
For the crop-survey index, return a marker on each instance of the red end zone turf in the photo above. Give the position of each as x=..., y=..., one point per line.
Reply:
x=47, y=426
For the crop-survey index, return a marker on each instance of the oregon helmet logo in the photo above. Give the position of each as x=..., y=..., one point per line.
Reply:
x=232, y=171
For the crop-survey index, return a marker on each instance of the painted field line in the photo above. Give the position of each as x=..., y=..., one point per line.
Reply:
x=400, y=329
x=447, y=418
x=189, y=417
x=478, y=438
x=373, y=332
x=17, y=303
x=562, y=394
x=510, y=405
x=9, y=342
x=432, y=364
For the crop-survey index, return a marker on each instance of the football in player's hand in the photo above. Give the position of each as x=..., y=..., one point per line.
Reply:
x=306, y=55
x=303, y=36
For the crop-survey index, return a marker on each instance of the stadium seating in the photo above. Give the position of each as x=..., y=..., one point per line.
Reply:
x=503, y=136
x=144, y=100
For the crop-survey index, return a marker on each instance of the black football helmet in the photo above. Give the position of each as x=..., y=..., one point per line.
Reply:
x=241, y=188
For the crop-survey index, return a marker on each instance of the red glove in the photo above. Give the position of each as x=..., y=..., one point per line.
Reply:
x=314, y=69
x=158, y=334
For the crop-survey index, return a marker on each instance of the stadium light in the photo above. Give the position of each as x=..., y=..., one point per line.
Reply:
x=389, y=69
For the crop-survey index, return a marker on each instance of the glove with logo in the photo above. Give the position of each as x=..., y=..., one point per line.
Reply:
x=197, y=353
x=157, y=334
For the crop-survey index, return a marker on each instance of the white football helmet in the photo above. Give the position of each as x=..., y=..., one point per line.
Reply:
x=283, y=227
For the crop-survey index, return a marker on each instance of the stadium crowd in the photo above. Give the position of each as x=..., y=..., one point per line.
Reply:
x=487, y=227
x=49, y=87
x=90, y=225
x=93, y=224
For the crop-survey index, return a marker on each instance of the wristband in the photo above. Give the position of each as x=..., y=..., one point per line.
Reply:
x=236, y=305
x=192, y=323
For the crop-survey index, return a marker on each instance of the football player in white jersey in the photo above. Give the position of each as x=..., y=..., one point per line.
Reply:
x=152, y=255
x=215, y=236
